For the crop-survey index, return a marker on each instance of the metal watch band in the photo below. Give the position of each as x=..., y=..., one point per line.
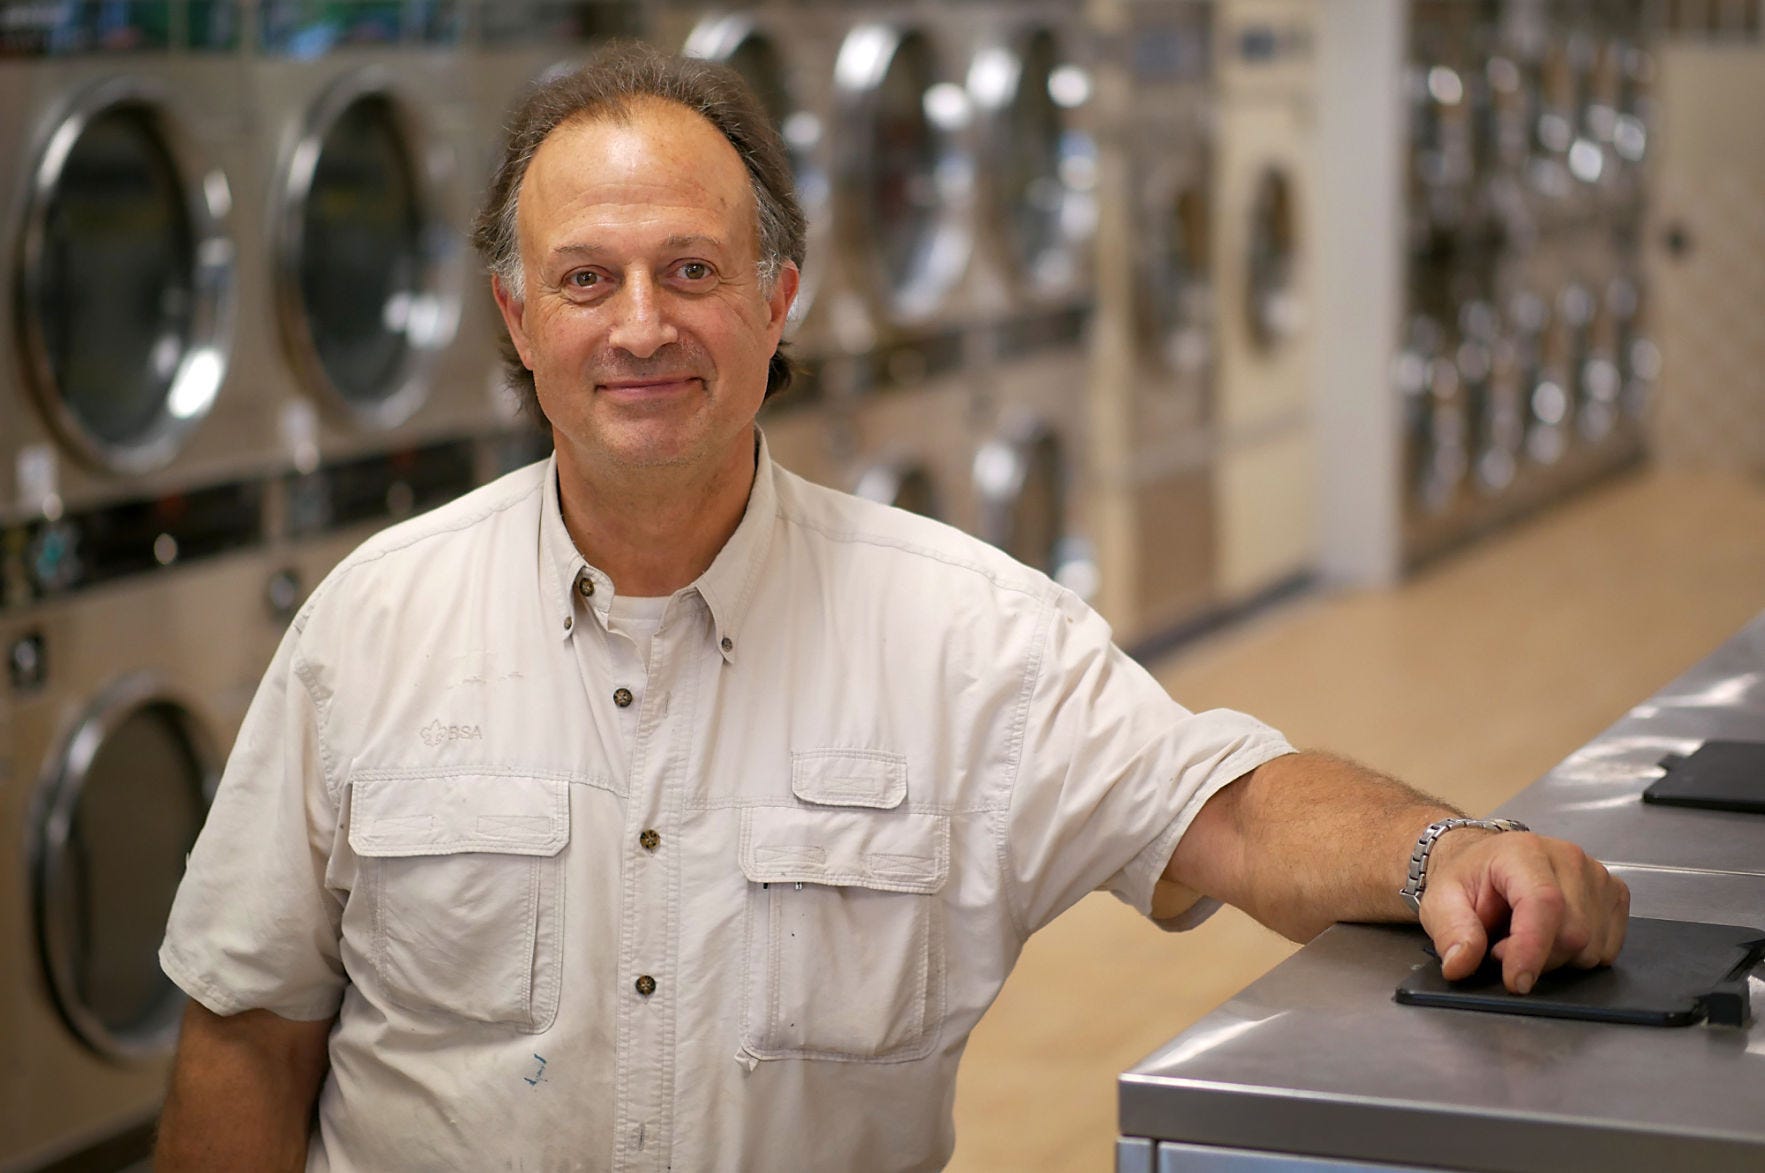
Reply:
x=1418, y=881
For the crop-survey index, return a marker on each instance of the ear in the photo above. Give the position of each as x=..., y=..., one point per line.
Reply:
x=784, y=294
x=513, y=311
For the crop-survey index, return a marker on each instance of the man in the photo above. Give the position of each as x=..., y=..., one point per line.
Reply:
x=653, y=808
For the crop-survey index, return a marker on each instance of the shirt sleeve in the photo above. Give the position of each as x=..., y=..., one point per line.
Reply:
x=1112, y=772
x=254, y=925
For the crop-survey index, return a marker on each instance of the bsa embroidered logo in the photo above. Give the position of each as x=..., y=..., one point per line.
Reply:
x=435, y=733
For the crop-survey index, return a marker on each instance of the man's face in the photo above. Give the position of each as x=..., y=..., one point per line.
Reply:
x=644, y=321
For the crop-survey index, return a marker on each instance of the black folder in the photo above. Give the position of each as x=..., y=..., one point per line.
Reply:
x=1719, y=775
x=1670, y=973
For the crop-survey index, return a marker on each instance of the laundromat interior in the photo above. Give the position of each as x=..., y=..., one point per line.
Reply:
x=1393, y=370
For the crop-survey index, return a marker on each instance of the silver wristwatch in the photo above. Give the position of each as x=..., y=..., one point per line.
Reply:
x=1418, y=881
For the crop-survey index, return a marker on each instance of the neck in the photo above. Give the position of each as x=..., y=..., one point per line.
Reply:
x=653, y=531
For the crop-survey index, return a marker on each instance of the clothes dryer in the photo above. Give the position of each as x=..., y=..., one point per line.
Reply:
x=367, y=135
x=1031, y=80
x=1152, y=381
x=901, y=307
x=785, y=51
x=123, y=238
x=120, y=706
x=1267, y=466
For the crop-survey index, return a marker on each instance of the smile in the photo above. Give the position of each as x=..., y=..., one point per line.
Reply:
x=650, y=388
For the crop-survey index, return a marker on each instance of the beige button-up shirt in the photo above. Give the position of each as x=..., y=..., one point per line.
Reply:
x=737, y=906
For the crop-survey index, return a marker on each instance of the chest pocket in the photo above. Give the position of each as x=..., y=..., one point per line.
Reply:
x=845, y=942
x=461, y=877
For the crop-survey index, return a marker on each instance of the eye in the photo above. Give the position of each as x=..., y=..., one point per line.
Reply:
x=695, y=271
x=582, y=279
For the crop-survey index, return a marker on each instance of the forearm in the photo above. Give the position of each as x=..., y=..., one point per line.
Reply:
x=242, y=1093
x=1306, y=840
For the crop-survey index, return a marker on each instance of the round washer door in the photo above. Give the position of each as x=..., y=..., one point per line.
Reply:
x=1043, y=166
x=118, y=810
x=366, y=293
x=124, y=281
x=1022, y=479
x=1274, y=306
x=1176, y=303
x=905, y=484
x=908, y=172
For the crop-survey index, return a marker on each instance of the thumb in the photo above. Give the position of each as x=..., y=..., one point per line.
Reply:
x=1456, y=930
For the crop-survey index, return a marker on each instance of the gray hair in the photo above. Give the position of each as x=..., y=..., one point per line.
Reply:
x=610, y=82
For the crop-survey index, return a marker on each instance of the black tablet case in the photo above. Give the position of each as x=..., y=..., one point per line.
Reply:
x=1670, y=973
x=1719, y=775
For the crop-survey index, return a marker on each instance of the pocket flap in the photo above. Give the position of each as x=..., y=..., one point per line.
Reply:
x=849, y=777
x=895, y=852
x=450, y=814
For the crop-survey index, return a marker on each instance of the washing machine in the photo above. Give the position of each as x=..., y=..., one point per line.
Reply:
x=119, y=707
x=369, y=147
x=785, y=51
x=1031, y=81
x=902, y=297
x=1266, y=466
x=126, y=139
x=1151, y=379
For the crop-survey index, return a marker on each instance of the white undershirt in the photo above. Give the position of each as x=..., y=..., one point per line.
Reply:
x=637, y=618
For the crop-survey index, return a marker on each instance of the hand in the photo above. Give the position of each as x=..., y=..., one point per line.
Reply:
x=1561, y=906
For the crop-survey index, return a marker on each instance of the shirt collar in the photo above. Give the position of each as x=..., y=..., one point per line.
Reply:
x=726, y=586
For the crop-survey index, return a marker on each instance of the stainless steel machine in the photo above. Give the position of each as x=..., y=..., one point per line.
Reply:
x=900, y=295
x=1152, y=384
x=122, y=234
x=366, y=133
x=1511, y=141
x=1031, y=81
x=1525, y=365
x=119, y=705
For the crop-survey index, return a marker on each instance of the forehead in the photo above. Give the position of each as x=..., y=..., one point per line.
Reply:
x=658, y=161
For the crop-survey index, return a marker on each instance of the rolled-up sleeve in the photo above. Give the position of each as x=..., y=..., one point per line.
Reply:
x=254, y=925
x=1111, y=773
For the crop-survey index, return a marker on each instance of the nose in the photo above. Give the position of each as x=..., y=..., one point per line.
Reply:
x=640, y=321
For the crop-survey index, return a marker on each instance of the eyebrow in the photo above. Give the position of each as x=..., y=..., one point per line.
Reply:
x=686, y=240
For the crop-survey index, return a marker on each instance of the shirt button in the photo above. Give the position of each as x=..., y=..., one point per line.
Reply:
x=585, y=585
x=569, y=623
x=646, y=985
x=728, y=644
x=622, y=697
x=649, y=840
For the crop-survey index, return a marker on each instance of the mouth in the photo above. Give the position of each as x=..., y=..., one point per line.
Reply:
x=649, y=388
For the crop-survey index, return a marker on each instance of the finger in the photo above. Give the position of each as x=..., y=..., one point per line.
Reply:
x=1537, y=923
x=1619, y=923
x=1604, y=909
x=1457, y=933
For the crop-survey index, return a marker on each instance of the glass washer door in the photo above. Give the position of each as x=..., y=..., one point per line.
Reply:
x=908, y=166
x=1044, y=164
x=905, y=484
x=1273, y=285
x=125, y=276
x=118, y=811
x=1177, y=304
x=363, y=300
x=1022, y=481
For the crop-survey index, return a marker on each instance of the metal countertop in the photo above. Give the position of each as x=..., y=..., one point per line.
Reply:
x=1316, y=1059
x=1595, y=796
